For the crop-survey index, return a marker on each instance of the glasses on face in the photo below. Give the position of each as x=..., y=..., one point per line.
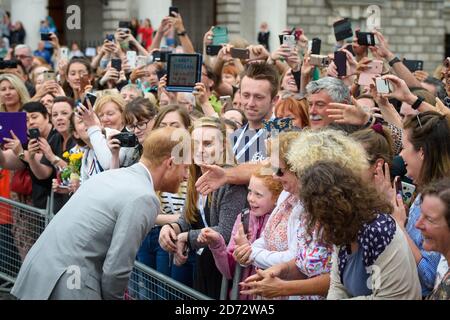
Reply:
x=139, y=125
x=278, y=172
x=22, y=56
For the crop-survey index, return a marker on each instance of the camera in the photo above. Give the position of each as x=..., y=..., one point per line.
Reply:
x=34, y=133
x=8, y=64
x=383, y=85
x=110, y=37
x=160, y=56
x=319, y=60
x=127, y=139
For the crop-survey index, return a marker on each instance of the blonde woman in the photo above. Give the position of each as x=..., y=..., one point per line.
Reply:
x=109, y=109
x=13, y=93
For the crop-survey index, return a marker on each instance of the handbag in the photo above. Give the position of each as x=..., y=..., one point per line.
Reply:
x=21, y=182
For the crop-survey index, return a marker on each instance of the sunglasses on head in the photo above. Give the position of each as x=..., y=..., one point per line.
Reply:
x=278, y=172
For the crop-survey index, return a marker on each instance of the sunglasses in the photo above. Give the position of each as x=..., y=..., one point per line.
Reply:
x=278, y=172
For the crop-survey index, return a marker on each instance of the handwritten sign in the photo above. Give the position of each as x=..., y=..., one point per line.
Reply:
x=183, y=70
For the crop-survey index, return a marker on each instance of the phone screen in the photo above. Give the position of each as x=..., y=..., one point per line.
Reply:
x=342, y=29
x=220, y=35
x=340, y=59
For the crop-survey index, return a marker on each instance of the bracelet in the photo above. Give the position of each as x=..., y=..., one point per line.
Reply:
x=417, y=103
x=55, y=162
x=370, y=122
x=170, y=225
x=394, y=61
x=182, y=33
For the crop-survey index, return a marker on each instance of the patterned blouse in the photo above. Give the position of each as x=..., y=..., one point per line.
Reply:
x=276, y=231
x=442, y=292
x=313, y=256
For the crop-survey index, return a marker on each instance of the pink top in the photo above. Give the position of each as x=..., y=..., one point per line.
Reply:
x=223, y=255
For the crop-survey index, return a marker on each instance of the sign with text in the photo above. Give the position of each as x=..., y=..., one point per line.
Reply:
x=183, y=72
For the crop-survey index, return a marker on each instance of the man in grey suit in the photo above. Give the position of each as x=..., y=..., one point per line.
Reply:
x=88, y=249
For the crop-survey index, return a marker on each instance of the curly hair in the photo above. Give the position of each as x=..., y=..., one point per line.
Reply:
x=331, y=145
x=338, y=201
x=281, y=144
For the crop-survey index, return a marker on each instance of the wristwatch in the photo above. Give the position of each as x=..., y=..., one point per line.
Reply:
x=417, y=103
x=394, y=61
x=182, y=33
x=21, y=155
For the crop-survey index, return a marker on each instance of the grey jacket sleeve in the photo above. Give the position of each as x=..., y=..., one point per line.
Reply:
x=227, y=203
x=133, y=223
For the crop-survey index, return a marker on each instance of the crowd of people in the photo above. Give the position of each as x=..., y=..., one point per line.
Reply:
x=303, y=184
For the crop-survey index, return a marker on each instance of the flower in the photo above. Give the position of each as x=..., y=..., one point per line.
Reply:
x=74, y=166
x=66, y=155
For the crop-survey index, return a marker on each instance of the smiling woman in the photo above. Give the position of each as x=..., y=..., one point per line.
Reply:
x=426, y=152
x=434, y=224
x=13, y=93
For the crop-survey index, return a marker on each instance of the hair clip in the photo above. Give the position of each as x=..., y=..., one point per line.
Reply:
x=277, y=125
x=418, y=120
x=378, y=128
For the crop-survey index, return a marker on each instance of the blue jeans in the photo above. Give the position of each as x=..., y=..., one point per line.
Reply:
x=152, y=255
x=185, y=273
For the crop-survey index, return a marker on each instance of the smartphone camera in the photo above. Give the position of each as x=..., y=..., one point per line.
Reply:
x=383, y=86
x=213, y=50
x=116, y=64
x=91, y=97
x=366, y=38
x=315, y=46
x=34, y=133
x=289, y=39
x=173, y=9
x=110, y=37
x=8, y=64
x=46, y=36
x=127, y=139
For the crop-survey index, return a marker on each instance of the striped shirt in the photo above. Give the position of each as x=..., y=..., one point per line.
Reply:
x=427, y=266
x=173, y=202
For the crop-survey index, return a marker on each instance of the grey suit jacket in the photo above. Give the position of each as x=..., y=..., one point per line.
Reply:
x=88, y=249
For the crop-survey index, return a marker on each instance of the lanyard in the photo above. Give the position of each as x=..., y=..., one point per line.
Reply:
x=201, y=206
x=249, y=144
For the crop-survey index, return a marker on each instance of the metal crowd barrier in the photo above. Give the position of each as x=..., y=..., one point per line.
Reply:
x=18, y=234
x=147, y=284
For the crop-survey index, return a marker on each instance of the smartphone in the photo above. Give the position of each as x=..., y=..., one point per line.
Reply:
x=220, y=35
x=124, y=24
x=245, y=216
x=315, y=45
x=413, y=65
x=342, y=29
x=85, y=81
x=46, y=36
x=34, y=133
x=319, y=60
x=398, y=186
x=349, y=48
x=375, y=68
x=240, y=53
x=383, y=86
x=226, y=102
x=173, y=9
x=116, y=64
x=340, y=60
x=49, y=75
x=131, y=58
x=213, y=50
x=92, y=98
x=408, y=192
x=110, y=37
x=289, y=40
x=366, y=38
x=65, y=53
x=141, y=61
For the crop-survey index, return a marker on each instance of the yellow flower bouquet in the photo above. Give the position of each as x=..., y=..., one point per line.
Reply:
x=72, y=171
